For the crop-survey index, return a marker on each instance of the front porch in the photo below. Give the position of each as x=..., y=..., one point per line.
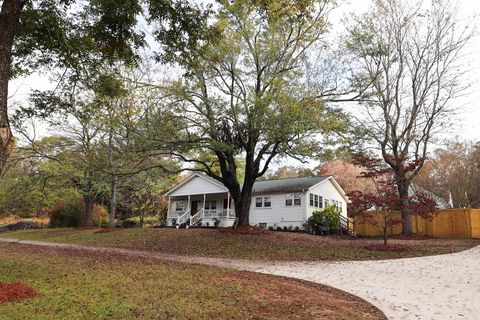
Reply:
x=207, y=210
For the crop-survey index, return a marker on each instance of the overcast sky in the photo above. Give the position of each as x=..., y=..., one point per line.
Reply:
x=468, y=120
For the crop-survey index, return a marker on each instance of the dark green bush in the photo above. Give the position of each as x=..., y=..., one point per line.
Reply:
x=328, y=217
x=129, y=224
x=70, y=215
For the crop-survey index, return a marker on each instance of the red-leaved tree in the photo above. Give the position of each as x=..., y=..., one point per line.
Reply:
x=385, y=197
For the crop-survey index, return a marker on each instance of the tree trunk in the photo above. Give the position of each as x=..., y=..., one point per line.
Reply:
x=9, y=18
x=89, y=201
x=142, y=218
x=113, y=202
x=404, y=206
x=385, y=228
x=242, y=203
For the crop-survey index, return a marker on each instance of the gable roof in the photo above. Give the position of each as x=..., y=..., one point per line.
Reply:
x=193, y=176
x=287, y=185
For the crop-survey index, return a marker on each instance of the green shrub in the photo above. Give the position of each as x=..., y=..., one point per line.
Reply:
x=328, y=217
x=70, y=215
x=129, y=223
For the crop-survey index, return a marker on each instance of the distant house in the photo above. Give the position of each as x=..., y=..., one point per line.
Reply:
x=203, y=201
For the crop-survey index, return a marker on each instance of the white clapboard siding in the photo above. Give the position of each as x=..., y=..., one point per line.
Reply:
x=279, y=214
x=327, y=190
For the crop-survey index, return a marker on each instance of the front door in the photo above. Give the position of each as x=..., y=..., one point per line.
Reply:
x=194, y=207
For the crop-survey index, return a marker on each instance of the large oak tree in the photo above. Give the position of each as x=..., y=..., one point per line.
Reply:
x=245, y=92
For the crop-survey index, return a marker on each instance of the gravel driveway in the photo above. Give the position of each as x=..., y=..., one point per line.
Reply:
x=436, y=287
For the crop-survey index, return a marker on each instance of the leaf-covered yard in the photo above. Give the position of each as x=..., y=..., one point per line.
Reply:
x=78, y=285
x=268, y=246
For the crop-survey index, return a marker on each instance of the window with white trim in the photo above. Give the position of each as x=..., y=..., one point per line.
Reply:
x=297, y=199
x=180, y=205
x=327, y=203
x=263, y=202
x=316, y=201
x=267, y=202
x=311, y=200
x=320, y=201
x=289, y=200
x=212, y=204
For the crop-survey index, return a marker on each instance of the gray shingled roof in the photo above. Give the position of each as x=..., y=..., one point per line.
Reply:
x=287, y=185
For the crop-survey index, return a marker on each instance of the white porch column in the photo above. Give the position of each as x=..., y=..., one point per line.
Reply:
x=204, y=197
x=188, y=204
x=169, y=209
x=228, y=205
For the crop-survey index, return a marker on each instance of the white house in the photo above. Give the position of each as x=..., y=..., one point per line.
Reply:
x=202, y=200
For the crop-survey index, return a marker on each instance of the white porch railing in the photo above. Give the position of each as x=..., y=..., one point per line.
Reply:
x=183, y=218
x=219, y=213
x=197, y=217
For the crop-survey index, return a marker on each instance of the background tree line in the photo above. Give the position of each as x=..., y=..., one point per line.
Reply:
x=226, y=90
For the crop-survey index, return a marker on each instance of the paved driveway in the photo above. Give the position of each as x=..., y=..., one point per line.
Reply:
x=436, y=287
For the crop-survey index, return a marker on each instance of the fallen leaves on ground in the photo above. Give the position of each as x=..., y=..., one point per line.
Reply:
x=15, y=291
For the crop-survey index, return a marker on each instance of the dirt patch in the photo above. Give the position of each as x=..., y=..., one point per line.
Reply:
x=298, y=298
x=15, y=291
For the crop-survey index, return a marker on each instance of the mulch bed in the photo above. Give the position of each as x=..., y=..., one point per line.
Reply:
x=15, y=291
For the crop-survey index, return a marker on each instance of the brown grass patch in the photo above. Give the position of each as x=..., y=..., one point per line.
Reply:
x=387, y=247
x=15, y=291
x=245, y=230
x=107, y=230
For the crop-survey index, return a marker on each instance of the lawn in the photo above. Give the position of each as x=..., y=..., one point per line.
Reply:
x=98, y=286
x=269, y=246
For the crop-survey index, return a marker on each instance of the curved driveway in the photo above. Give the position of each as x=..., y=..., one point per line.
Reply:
x=435, y=287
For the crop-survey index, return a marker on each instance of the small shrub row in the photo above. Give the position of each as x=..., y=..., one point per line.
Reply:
x=284, y=228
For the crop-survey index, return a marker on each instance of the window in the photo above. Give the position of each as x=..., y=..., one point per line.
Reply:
x=311, y=200
x=320, y=201
x=297, y=199
x=210, y=205
x=289, y=200
x=338, y=205
x=180, y=205
x=263, y=225
x=327, y=202
x=267, y=202
x=226, y=204
x=316, y=201
x=263, y=202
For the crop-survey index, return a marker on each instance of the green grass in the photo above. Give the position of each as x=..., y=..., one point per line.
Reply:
x=272, y=246
x=76, y=285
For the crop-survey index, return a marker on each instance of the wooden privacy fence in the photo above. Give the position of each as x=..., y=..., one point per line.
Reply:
x=448, y=223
